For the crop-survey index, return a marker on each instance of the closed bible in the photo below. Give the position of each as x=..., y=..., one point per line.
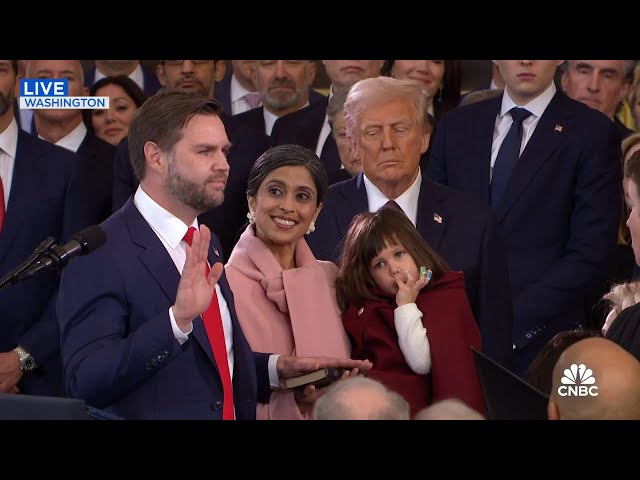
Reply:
x=319, y=378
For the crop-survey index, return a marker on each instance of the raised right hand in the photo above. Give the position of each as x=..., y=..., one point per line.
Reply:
x=195, y=288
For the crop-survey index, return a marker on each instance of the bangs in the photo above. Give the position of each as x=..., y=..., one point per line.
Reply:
x=376, y=240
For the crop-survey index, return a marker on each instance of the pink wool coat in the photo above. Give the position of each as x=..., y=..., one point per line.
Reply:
x=289, y=312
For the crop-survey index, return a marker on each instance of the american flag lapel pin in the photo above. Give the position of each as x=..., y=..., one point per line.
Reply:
x=558, y=128
x=437, y=218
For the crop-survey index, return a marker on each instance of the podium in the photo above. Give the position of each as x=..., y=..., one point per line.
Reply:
x=36, y=407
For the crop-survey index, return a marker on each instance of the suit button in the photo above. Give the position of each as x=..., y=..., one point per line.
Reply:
x=528, y=335
x=148, y=366
x=217, y=405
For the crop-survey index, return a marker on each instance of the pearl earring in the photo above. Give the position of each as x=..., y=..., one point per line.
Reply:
x=251, y=215
x=312, y=227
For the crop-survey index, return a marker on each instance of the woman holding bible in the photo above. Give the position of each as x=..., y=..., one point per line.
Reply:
x=284, y=297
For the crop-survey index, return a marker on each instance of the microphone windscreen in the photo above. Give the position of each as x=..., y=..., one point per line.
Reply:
x=90, y=238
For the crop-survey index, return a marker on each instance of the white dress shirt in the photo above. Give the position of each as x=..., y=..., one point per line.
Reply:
x=408, y=201
x=171, y=230
x=73, y=139
x=504, y=121
x=237, y=93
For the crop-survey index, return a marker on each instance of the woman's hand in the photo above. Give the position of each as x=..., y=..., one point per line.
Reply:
x=305, y=398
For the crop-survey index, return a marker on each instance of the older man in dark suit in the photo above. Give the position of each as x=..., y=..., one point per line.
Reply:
x=387, y=126
x=34, y=179
x=549, y=166
x=285, y=87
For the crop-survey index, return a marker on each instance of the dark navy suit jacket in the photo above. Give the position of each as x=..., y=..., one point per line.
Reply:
x=119, y=352
x=468, y=239
x=35, y=211
x=91, y=189
x=303, y=127
x=222, y=91
x=228, y=219
x=558, y=213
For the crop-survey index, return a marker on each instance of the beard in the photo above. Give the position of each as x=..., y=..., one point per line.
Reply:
x=6, y=101
x=190, y=193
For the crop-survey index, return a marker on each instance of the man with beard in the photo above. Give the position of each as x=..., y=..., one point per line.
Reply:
x=154, y=334
x=34, y=176
x=310, y=126
x=285, y=87
x=200, y=76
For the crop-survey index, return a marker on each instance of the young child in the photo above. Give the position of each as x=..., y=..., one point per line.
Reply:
x=406, y=312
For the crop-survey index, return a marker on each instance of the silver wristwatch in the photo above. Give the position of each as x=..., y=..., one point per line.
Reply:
x=27, y=362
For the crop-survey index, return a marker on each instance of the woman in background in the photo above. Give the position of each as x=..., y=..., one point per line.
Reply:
x=125, y=97
x=440, y=79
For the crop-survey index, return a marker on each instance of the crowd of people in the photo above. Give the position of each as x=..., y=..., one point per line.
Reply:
x=258, y=230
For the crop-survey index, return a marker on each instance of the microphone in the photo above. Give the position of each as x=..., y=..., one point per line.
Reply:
x=12, y=276
x=57, y=257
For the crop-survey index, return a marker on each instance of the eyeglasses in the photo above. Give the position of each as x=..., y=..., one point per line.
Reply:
x=180, y=62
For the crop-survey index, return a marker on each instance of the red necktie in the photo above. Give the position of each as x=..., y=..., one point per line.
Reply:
x=213, y=324
x=2, y=209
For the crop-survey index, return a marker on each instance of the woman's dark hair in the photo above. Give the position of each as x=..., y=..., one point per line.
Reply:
x=287, y=156
x=130, y=87
x=368, y=234
x=448, y=95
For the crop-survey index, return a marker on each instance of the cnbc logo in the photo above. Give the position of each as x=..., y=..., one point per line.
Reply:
x=53, y=93
x=578, y=381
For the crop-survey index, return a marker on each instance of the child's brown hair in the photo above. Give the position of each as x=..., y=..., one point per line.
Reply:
x=368, y=234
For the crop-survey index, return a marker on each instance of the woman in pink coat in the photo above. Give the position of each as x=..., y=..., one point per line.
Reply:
x=284, y=297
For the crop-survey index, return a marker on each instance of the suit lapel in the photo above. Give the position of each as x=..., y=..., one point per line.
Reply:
x=483, y=123
x=87, y=149
x=432, y=216
x=27, y=179
x=231, y=126
x=154, y=255
x=353, y=200
x=545, y=140
x=329, y=155
x=160, y=265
